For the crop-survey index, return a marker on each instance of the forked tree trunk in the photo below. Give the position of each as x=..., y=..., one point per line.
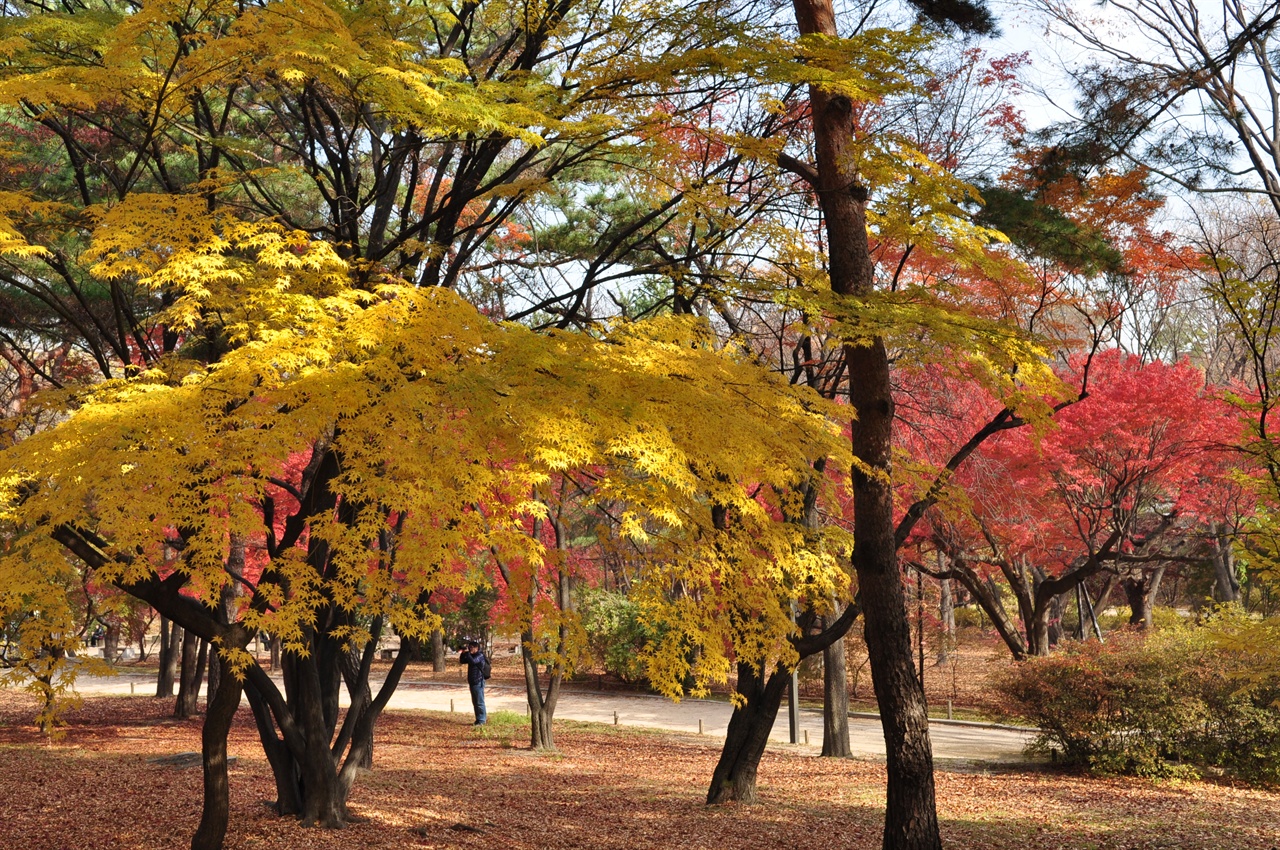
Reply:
x=835, y=701
x=358, y=688
x=1140, y=591
x=1038, y=631
x=734, y=779
x=542, y=706
x=300, y=736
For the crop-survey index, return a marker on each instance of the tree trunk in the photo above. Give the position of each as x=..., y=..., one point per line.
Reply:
x=1226, y=584
x=1047, y=613
x=1140, y=592
x=835, y=700
x=322, y=805
x=947, y=614
x=111, y=644
x=1038, y=631
x=734, y=779
x=1149, y=598
x=1057, y=608
x=170, y=653
x=542, y=707
x=221, y=711
x=438, y=660
x=283, y=767
x=190, y=674
x=313, y=779
x=911, y=821
x=988, y=599
x=226, y=611
x=215, y=678
x=360, y=693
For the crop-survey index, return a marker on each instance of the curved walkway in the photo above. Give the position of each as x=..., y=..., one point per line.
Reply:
x=952, y=740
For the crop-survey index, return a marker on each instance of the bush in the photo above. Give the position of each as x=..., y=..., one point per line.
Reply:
x=1165, y=705
x=615, y=634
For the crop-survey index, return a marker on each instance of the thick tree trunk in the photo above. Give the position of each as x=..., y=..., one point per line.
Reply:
x=322, y=805
x=221, y=710
x=734, y=779
x=313, y=779
x=1133, y=594
x=1038, y=631
x=835, y=700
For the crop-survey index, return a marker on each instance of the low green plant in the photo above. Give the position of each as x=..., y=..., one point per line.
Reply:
x=616, y=635
x=505, y=727
x=1170, y=704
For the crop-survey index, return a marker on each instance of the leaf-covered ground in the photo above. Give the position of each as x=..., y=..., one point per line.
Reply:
x=439, y=783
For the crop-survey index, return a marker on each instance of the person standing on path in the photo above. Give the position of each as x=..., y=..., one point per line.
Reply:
x=476, y=669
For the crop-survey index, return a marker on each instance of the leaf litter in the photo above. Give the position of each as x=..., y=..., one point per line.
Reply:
x=439, y=783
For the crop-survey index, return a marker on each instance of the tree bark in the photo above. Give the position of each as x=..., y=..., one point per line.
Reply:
x=911, y=821
x=542, y=706
x=1140, y=592
x=225, y=612
x=734, y=779
x=170, y=653
x=361, y=695
x=835, y=701
x=221, y=711
x=438, y=660
x=947, y=614
x=111, y=643
x=192, y=671
x=1226, y=584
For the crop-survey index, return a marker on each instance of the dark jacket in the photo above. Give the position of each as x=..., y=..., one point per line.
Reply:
x=475, y=666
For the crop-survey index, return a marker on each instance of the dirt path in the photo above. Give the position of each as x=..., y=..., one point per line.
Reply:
x=952, y=740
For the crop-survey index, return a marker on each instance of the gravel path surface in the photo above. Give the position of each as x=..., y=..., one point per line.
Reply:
x=953, y=741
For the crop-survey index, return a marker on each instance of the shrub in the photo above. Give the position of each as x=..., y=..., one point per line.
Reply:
x=1164, y=705
x=615, y=634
